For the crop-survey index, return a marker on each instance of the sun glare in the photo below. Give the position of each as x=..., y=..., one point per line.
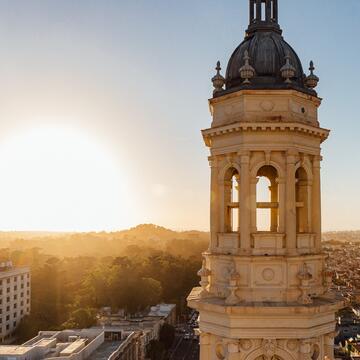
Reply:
x=60, y=180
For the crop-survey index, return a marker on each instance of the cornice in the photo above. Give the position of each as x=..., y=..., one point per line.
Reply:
x=289, y=92
x=301, y=128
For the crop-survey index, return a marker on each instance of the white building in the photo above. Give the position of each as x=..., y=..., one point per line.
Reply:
x=87, y=344
x=15, y=292
x=165, y=311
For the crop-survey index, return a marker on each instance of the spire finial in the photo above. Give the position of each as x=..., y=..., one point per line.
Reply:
x=288, y=71
x=312, y=80
x=247, y=72
x=218, y=80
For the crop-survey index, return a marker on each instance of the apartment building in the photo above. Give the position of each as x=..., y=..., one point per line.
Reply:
x=15, y=293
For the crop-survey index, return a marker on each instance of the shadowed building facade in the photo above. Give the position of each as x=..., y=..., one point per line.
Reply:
x=265, y=293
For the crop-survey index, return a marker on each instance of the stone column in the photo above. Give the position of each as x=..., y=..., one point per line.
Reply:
x=282, y=204
x=221, y=189
x=214, y=203
x=302, y=212
x=329, y=345
x=258, y=10
x=244, y=209
x=316, y=202
x=227, y=209
x=205, y=346
x=238, y=187
x=253, y=204
x=274, y=191
x=309, y=202
x=290, y=204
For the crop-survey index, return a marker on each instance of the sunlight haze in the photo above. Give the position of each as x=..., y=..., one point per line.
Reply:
x=102, y=103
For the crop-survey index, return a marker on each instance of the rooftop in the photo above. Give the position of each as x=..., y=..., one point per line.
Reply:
x=88, y=344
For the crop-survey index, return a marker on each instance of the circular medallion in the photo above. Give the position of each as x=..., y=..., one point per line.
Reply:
x=268, y=274
x=267, y=105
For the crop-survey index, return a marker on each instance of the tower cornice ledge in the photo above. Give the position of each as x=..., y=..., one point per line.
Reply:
x=217, y=305
x=298, y=127
x=289, y=92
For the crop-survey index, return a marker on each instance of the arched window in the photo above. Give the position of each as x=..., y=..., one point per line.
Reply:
x=267, y=199
x=302, y=201
x=231, y=200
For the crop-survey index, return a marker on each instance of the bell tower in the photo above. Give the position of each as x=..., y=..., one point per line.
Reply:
x=265, y=290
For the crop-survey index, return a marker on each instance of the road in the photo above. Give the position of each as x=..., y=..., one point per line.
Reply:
x=186, y=344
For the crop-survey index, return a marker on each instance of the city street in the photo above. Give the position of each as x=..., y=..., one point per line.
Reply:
x=186, y=344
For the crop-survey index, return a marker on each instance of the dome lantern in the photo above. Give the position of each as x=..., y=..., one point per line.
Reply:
x=270, y=54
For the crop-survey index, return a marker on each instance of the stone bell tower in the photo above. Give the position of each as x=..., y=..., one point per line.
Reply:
x=265, y=292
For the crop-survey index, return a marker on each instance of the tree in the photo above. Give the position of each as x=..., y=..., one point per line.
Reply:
x=81, y=319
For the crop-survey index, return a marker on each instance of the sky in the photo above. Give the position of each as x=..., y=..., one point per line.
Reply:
x=102, y=103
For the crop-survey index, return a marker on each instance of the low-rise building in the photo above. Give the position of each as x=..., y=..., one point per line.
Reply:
x=15, y=295
x=86, y=344
x=165, y=311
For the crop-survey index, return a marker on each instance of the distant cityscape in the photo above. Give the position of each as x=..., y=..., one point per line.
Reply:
x=119, y=335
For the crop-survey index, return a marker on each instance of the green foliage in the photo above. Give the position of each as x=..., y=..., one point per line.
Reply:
x=80, y=319
x=128, y=275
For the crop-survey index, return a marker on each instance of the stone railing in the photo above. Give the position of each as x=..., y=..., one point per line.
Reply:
x=268, y=243
x=228, y=243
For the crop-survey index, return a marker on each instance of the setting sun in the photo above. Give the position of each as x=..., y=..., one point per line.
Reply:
x=60, y=179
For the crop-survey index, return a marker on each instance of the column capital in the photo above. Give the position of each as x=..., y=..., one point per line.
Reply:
x=213, y=161
x=204, y=338
x=291, y=156
x=244, y=157
x=317, y=161
x=233, y=347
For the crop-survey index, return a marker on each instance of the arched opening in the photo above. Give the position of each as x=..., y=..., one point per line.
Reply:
x=267, y=199
x=302, y=201
x=231, y=200
x=266, y=358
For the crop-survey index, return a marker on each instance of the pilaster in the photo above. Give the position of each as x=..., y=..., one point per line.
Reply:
x=245, y=197
x=290, y=203
x=316, y=202
x=214, y=202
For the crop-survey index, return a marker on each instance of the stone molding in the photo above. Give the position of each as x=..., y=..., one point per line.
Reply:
x=318, y=132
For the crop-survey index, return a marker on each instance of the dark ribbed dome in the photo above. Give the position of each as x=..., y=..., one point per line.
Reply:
x=267, y=50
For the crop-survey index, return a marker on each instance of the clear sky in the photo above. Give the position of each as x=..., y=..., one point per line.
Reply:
x=102, y=102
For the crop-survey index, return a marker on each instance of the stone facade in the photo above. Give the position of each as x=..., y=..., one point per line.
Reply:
x=265, y=294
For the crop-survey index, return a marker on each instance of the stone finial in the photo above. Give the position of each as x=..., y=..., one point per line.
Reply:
x=305, y=276
x=312, y=80
x=204, y=273
x=288, y=71
x=218, y=80
x=328, y=278
x=247, y=72
x=232, y=299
